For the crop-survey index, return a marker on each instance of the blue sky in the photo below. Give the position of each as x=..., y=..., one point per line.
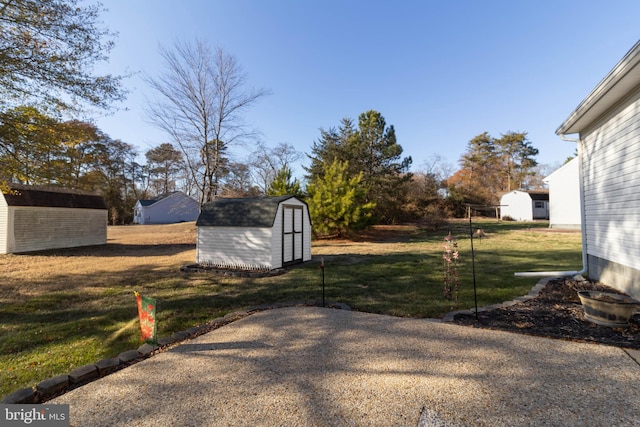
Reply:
x=441, y=72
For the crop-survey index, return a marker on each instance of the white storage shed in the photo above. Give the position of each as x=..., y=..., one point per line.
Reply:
x=261, y=233
x=525, y=205
x=606, y=128
x=40, y=218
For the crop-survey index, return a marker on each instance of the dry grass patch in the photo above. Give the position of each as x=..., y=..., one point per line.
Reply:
x=130, y=251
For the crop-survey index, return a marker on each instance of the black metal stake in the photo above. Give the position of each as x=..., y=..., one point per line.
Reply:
x=322, y=267
x=473, y=268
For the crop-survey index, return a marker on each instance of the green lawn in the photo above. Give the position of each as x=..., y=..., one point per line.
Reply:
x=52, y=327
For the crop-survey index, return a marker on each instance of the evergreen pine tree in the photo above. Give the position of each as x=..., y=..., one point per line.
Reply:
x=282, y=184
x=335, y=201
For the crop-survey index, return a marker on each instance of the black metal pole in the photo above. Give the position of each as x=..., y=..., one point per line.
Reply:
x=322, y=267
x=473, y=268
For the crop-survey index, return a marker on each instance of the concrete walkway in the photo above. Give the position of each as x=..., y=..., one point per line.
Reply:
x=310, y=366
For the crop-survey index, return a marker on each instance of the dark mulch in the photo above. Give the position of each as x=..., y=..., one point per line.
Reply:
x=556, y=313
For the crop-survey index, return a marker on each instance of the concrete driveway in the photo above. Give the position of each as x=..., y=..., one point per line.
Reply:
x=311, y=366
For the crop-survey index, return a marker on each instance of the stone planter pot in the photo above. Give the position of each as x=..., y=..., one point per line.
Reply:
x=607, y=309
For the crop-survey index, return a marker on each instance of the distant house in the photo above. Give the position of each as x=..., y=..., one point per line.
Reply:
x=607, y=124
x=525, y=205
x=260, y=233
x=166, y=209
x=40, y=218
x=564, y=196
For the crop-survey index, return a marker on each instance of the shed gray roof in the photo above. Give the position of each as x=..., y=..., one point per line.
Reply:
x=26, y=195
x=241, y=212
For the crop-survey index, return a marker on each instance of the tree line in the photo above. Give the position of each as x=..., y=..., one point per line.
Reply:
x=37, y=149
x=357, y=174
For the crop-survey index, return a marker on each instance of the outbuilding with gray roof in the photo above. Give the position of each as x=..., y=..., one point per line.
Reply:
x=258, y=233
x=39, y=218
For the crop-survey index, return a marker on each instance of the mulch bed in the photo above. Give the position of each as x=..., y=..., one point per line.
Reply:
x=556, y=313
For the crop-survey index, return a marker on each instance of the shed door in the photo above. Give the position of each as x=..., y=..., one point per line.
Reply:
x=292, y=235
x=540, y=209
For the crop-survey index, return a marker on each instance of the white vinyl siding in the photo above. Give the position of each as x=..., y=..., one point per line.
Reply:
x=517, y=205
x=611, y=185
x=235, y=247
x=4, y=225
x=258, y=247
x=40, y=228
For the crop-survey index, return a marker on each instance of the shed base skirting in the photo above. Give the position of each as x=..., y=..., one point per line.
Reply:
x=199, y=268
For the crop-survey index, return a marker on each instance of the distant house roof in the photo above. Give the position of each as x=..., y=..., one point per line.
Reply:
x=149, y=202
x=241, y=212
x=26, y=195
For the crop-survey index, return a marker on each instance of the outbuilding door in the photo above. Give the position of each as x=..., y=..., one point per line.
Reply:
x=540, y=209
x=292, y=234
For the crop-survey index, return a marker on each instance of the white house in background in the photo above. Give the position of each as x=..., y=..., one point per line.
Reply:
x=525, y=205
x=166, y=209
x=564, y=196
x=259, y=233
x=607, y=124
x=39, y=218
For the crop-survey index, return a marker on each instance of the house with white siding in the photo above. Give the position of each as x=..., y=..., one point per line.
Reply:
x=258, y=233
x=564, y=196
x=519, y=205
x=606, y=128
x=39, y=218
x=168, y=208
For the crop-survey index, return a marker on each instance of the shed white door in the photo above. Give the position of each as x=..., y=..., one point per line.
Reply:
x=292, y=234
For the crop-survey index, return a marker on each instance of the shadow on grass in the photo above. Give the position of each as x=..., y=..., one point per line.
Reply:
x=114, y=250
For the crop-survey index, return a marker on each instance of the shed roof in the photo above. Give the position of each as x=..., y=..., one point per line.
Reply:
x=534, y=194
x=539, y=194
x=26, y=195
x=241, y=212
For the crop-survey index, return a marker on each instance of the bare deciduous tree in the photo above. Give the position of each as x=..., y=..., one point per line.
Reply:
x=267, y=162
x=201, y=98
